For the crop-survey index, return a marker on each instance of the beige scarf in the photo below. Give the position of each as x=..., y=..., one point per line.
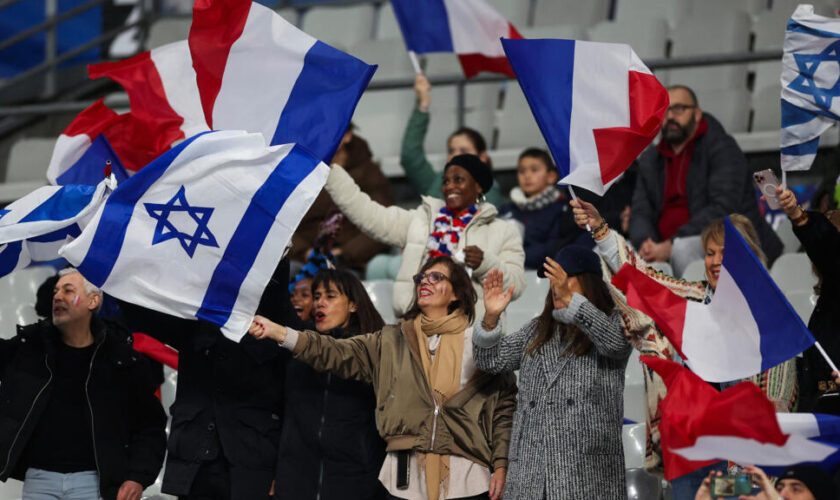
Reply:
x=444, y=377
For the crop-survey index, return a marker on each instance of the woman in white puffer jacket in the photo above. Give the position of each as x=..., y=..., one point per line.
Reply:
x=459, y=225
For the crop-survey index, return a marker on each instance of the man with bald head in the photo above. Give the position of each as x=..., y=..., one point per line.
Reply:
x=697, y=173
x=78, y=415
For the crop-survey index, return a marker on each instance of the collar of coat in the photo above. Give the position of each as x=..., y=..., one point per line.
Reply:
x=486, y=211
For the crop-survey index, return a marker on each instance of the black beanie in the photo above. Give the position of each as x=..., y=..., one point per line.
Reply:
x=816, y=479
x=478, y=169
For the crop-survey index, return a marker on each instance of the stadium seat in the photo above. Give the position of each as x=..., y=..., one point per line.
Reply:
x=634, y=436
x=381, y=117
x=722, y=8
x=695, y=271
x=767, y=76
x=389, y=54
x=802, y=302
x=480, y=101
x=387, y=27
x=289, y=14
x=381, y=292
x=341, y=26
x=792, y=272
x=28, y=159
x=707, y=35
x=785, y=232
x=769, y=29
x=647, y=36
x=583, y=14
x=564, y=31
x=516, y=125
x=642, y=485
x=444, y=64
x=529, y=305
x=673, y=11
x=515, y=12
x=168, y=30
x=11, y=489
x=730, y=106
x=634, y=389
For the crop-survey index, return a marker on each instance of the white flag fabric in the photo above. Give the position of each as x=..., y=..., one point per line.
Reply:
x=34, y=227
x=810, y=85
x=198, y=232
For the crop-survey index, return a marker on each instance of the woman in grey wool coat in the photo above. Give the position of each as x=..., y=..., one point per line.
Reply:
x=566, y=440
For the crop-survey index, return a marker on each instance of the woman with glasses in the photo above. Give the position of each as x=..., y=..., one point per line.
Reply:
x=461, y=225
x=571, y=361
x=446, y=424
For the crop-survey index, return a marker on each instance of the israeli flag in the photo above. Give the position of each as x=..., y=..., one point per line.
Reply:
x=198, y=232
x=810, y=83
x=34, y=228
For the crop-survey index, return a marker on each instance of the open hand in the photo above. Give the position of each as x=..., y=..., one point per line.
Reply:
x=422, y=88
x=496, y=299
x=768, y=491
x=559, y=283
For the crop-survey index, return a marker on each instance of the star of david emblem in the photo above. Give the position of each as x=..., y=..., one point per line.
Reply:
x=165, y=230
x=808, y=65
x=3, y=212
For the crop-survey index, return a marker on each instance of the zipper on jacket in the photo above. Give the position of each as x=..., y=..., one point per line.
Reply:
x=90, y=408
x=434, y=419
x=320, y=432
x=28, y=413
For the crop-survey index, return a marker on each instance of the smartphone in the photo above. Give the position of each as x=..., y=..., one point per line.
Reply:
x=731, y=486
x=767, y=183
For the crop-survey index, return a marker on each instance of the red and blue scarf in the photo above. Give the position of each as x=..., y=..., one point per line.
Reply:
x=447, y=230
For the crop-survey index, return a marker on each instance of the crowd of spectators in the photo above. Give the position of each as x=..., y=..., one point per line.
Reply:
x=324, y=400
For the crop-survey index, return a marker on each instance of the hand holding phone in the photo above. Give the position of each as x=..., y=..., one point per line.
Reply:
x=767, y=184
x=731, y=486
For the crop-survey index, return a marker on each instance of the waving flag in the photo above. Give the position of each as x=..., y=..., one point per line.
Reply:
x=34, y=227
x=469, y=28
x=78, y=137
x=748, y=327
x=597, y=105
x=256, y=72
x=810, y=85
x=199, y=231
x=701, y=425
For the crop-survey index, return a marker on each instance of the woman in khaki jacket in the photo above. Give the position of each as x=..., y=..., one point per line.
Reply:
x=446, y=424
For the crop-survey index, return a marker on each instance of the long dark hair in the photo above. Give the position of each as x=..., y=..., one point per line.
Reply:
x=366, y=318
x=596, y=291
x=461, y=285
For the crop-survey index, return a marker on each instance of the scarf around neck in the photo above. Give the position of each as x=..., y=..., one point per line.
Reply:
x=540, y=200
x=448, y=227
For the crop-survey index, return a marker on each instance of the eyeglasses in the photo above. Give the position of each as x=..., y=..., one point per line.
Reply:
x=679, y=109
x=432, y=276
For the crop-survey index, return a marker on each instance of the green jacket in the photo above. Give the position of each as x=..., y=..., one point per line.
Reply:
x=418, y=169
x=474, y=423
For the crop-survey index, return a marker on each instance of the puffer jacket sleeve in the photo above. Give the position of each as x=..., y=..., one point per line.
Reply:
x=509, y=258
x=503, y=421
x=354, y=358
x=386, y=224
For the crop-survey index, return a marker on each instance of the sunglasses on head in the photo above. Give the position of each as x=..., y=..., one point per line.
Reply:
x=432, y=276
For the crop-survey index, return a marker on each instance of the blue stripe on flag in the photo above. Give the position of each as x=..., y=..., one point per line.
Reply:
x=60, y=235
x=250, y=235
x=9, y=257
x=801, y=28
x=322, y=100
x=424, y=25
x=63, y=204
x=110, y=231
x=90, y=168
x=794, y=115
x=545, y=70
x=783, y=334
x=806, y=148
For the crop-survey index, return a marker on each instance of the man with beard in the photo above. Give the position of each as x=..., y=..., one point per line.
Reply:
x=695, y=174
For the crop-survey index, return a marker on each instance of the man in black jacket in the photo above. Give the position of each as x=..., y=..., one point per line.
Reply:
x=78, y=415
x=696, y=174
x=228, y=408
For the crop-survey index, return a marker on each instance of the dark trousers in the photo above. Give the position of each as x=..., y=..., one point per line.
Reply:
x=218, y=480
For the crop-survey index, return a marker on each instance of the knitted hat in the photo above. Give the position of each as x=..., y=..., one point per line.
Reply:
x=576, y=259
x=479, y=170
x=816, y=479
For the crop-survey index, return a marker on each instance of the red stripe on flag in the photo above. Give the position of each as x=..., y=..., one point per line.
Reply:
x=156, y=350
x=473, y=64
x=665, y=308
x=92, y=120
x=216, y=25
x=618, y=147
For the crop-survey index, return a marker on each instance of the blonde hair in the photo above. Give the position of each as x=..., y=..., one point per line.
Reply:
x=715, y=231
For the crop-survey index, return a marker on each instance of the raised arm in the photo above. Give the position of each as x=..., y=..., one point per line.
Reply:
x=493, y=352
x=413, y=160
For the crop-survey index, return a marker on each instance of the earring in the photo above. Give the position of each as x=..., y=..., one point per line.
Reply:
x=482, y=198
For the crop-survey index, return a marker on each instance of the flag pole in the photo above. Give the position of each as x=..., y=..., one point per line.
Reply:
x=825, y=356
x=414, y=62
x=574, y=197
x=784, y=178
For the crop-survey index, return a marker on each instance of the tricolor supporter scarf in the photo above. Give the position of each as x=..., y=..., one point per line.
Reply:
x=448, y=228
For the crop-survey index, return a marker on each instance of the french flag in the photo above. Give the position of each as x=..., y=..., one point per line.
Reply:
x=469, y=28
x=76, y=140
x=597, y=105
x=748, y=327
x=700, y=426
x=258, y=73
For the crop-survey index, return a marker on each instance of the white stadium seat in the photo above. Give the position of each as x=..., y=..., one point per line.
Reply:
x=389, y=54
x=480, y=101
x=381, y=293
x=784, y=230
x=671, y=10
x=695, y=271
x=792, y=272
x=168, y=30
x=514, y=11
x=341, y=26
x=516, y=125
x=387, y=26
x=29, y=158
x=803, y=302
x=730, y=106
x=583, y=14
x=647, y=36
x=634, y=390
x=444, y=64
x=381, y=117
x=562, y=31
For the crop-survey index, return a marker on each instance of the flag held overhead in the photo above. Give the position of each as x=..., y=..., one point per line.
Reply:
x=597, y=105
